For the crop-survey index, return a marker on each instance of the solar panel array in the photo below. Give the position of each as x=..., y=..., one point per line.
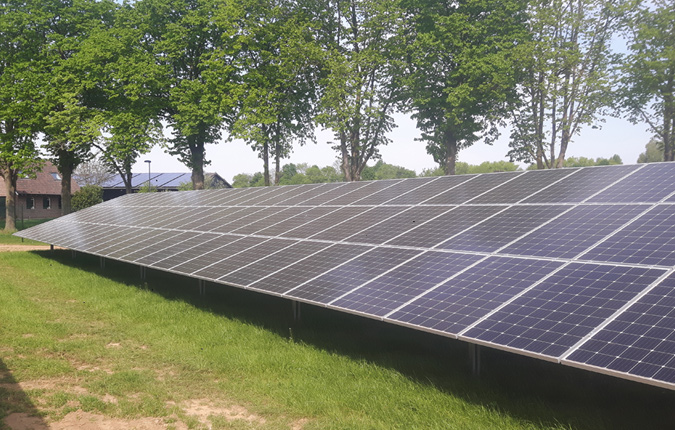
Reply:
x=572, y=265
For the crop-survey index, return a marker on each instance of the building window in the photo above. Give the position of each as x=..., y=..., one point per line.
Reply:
x=46, y=203
x=30, y=203
x=56, y=176
x=59, y=200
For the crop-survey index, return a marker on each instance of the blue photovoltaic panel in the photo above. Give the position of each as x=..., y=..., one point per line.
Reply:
x=561, y=310
x=523, y=186
x=265, y=265
x=574, y=231
x=581, y=185
x=462, y=300
x=350, y=275
x=640, y=341
x=407, y=281
x=405, y=221
x=471, y=189
x=650, y=184
x=430, y=190
x=214, y=251
x=503, y=228
x=648, y=240
x=396, y=190
x=309, y=268
x=447, y=225
x=356, y=224
x=203, y=244
x=325, y=222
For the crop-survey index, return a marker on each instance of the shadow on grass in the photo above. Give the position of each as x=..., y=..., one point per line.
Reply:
x=16, y=409
x=534, y=390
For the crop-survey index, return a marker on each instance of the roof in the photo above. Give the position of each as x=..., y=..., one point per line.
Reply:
x=159, y=180
x=46, y=182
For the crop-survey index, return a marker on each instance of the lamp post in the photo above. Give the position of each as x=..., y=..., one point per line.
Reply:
x=148, y=161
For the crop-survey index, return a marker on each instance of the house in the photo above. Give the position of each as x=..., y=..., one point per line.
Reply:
x=39, y=197
x=114, y=187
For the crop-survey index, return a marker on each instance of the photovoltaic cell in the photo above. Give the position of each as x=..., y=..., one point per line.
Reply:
x=205, y=243
x=640, y=341
x=320, y=224
x=293, y=192
x=309, y=268
x=214, y=253
x=335, y=192
x=503, y=228
x=429, y=190
x=313, y=213
x=222, y=216
x=311, y=194
x=649, y=184
x=649, y=240
x=574, y=231
x=469, y=296
x=264, y=266
x=275, y=215
x=560, y=311
x=523, y=186
x=357, y=223
x=447, y=225
x=169, y=247
x=350, y=275
x=369, y=189
x=470, y=189
x=236, y=258
x=407, y=281
x=397, y=225
x=393, y=191
x=581, y=185
x=242, y=219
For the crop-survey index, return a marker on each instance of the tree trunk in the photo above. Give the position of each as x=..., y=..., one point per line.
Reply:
x=669, y=124
x=10, y=201
x=346, y=164
x=197, y=154
x=450, y=153
x=66, y=180
x=277, y=162
x=266, y=163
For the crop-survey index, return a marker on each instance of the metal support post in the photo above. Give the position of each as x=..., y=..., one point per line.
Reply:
x=202, y=287
x=143, y=272
x=474, y=357
x=51, y=248
x=73, y=254
x=102, y=262
x=296, y=311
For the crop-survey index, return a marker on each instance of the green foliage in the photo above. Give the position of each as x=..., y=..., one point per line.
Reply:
x=145, y=188
x=567, y=80
x=649, y=71
x=653, y=152
x=382, y=170
x=245, y=180
x=460, y=73
x=586, y=162
x=88, y=195
x=462, y=168
x=362, y=50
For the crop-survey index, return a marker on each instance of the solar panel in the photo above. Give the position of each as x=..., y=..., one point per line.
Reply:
x=640, y=341
x=562, y=309
x=569, y=265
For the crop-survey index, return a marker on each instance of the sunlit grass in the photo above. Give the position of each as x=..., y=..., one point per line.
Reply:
x=153, y=347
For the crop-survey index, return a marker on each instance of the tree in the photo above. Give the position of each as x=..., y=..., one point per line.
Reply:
x=460, y=70
x=362, y=44
x=196, y=43
x=72, y=123
x=88, y=195
x=463, y=168
x=129, y=82
x=382, y=170
x=649, y=72
x=93, y=172
x=653, y=152
x=278, y=106
x=567, y=79
x=20, y=101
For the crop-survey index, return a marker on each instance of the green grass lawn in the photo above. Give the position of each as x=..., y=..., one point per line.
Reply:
x=101, y=341
x=8, y=239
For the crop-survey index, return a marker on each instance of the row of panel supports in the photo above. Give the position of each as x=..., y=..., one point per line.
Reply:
x=474, y=350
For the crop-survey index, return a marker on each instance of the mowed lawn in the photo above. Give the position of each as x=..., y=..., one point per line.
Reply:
x=78, y=342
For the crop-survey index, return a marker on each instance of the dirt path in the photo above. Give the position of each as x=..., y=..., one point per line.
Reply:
x=15, y=248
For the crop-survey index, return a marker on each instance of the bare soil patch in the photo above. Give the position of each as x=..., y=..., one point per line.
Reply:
x=17, y=248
